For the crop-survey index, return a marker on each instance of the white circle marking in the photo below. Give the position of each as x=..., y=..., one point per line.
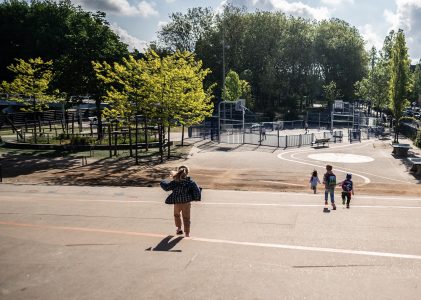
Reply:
x=341, y=157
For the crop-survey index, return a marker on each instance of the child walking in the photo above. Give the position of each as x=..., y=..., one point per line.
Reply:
x=314, y=180
x=184, y=190
x=347, y=188
x=329, y=180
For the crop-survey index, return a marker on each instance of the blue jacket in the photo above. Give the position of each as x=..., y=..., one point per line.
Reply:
x=183, y=191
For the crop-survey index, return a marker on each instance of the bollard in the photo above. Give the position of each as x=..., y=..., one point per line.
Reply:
x=84, y=161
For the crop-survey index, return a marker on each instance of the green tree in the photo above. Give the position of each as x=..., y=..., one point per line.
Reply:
x=400, y=82
x=233, y=88
x=63, y=33
x=32, y=79
x=341, y=55
x=374, y=87
x=331, y=92
x=169, y=88
x=416, y=79
x=184, y=30
x=246, y=94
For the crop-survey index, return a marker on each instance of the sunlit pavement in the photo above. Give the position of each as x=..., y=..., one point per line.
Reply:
x=59, y=242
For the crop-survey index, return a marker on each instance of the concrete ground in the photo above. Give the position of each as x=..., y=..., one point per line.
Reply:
x=259, y=232
x=70, y=242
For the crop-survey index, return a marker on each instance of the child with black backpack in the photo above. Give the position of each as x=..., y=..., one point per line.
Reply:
x=347, y=188
x=184, y=190
x=329, y=180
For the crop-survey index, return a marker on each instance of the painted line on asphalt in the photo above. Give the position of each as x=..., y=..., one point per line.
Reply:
x=214, y=203
x=219, y=241
x=361, y=145
x=350, y=170
x=307, y=205
x=280, y=156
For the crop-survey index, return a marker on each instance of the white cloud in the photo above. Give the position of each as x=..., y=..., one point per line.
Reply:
x=290, y=8
x=146, y=9
x=162, y=24
x=133, y=42
x=408, y=18
x=337, y=2
x=371, y=37
x=120, y=7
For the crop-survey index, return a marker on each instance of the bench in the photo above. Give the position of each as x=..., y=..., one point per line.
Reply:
x=320, y=141
x=383, y=135
x=401, y=149
x=338, y=136
x=416, y=165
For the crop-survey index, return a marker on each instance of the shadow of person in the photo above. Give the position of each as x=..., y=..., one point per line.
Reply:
x=166, y=244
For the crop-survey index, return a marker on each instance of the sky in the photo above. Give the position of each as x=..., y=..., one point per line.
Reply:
x=137, y=21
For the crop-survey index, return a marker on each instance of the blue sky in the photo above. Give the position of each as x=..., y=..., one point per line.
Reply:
x=137, y=21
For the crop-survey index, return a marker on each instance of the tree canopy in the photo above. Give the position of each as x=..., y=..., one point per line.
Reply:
x=168, y=88
x=60, y=32
x=31, y=84
x=286, y=58
x=400, y=83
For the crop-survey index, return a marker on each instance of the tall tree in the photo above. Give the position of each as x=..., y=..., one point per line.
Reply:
x=232, y=89
x=416, y=78
x=63, y=33
x=340, y=52
x=400, y=83
x=331, y=92
x=184, y=30
x=374, y=87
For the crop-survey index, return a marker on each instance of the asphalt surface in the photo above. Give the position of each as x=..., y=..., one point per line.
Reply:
x=63, y=242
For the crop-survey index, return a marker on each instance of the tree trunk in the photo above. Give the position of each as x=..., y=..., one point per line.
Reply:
x=182, y=135
x=168, y=143
x=99, y=119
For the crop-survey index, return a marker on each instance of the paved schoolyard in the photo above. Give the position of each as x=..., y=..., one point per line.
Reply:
x=249, y=167
x=59, y=242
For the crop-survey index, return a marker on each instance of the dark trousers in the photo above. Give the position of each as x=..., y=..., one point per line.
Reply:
x=347, y=196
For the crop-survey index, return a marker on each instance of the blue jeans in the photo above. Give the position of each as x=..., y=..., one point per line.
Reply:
x=332, y=195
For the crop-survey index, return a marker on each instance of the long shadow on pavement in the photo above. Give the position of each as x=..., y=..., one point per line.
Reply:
x=166, y=244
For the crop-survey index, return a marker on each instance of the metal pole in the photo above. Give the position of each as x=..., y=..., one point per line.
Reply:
x=319, y=121
x=136, y=140
x=244, y=129
x=223, y=57
x=219, y=122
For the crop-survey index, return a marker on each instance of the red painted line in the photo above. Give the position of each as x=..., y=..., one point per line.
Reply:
x=132, y=233
x=227, y=242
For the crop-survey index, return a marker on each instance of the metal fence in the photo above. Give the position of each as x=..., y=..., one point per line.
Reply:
x=277, y=138
x=282, y=134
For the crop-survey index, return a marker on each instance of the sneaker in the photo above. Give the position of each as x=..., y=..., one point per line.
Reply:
x=347, y=206
x=179, y=232
x=333, y=207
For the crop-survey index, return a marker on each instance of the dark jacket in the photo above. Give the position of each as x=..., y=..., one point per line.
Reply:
x=347, y=185
x=183, y=191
